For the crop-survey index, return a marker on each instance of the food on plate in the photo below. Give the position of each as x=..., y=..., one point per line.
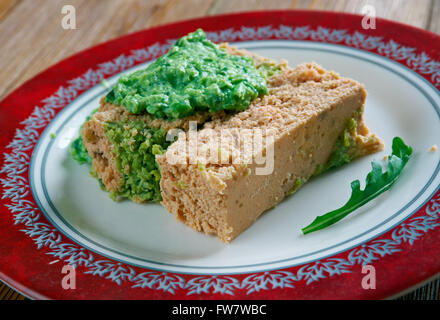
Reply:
x=195, y=74
x=123, y=145
x=316, y=120
x=263, y=129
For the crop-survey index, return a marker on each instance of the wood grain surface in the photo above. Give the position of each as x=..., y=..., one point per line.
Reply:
x=33, y=39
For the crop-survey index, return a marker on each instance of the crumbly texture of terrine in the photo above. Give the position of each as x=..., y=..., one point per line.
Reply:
x=307, y=112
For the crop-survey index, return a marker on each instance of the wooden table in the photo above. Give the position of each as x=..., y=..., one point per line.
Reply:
x=32, y=37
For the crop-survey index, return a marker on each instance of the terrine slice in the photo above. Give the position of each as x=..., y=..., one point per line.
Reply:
x=122, y=145
x=315, y=121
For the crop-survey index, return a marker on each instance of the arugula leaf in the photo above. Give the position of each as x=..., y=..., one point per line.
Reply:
x=377, y=182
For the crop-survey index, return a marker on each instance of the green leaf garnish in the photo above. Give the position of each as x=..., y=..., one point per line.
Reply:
x=377, y=182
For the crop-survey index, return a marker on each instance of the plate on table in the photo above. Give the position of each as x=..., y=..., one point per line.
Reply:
x=54, y=214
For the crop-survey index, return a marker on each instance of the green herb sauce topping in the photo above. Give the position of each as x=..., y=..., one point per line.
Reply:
x=195, y=74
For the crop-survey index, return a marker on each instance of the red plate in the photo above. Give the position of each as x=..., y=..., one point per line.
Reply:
x=405, y=255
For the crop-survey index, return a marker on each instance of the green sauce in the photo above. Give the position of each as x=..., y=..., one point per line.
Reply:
x=135, y=146
x=268, y=69
x=299, y=182
x=195, y=74
x=345, y=150
x=78, y=150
